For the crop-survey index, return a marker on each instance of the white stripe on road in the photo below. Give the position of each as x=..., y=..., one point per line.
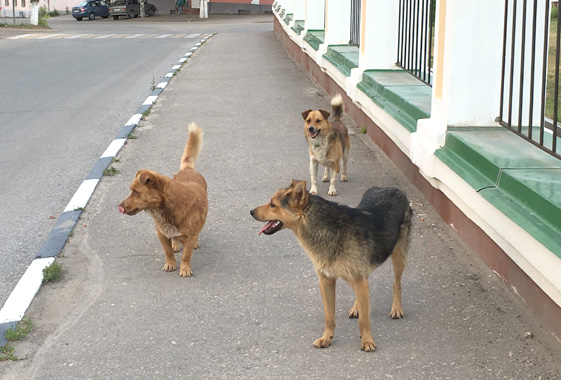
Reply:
x=163, y=36
x=176, y=67
x=150, y=100
x=75, y=36
x=82, y=195
x=114, y=148
x=162, y=85
x=136, y=35
x=20, y=36
x=105, y=36
x=49, y=36
x=135, y=119
x=193, y=35
x=24, y=292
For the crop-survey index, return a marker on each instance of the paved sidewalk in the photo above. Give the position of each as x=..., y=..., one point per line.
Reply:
x=253, y=307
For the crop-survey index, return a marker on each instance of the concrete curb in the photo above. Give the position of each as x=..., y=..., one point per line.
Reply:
x=21, y=297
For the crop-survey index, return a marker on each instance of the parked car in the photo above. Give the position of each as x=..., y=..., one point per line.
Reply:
x=90, y=9
x=130, y=9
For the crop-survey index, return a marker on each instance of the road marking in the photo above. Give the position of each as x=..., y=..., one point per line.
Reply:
x=182, y=60
x=164, y=35
x=105, y=36
x=150, y=100
x=150, y=35
x=82, y=195
x=136, y=35
x=24, y=292
x=162, y=85
x=192, y=35
x=49, y=36
x=120, y=35
x=134, y=120
x=114, y=148
x=76, y=36
x=176, y=67
x=21, y=36
x=178, y=36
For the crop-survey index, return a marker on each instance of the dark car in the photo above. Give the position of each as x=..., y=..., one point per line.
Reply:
x=90, y=9
x=130, y=9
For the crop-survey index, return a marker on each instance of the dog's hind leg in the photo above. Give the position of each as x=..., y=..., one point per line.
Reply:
x=362, y=292
x=399, y=259
x=353, y=313
x=344, y=166
x=327, y=287
x=176, y=245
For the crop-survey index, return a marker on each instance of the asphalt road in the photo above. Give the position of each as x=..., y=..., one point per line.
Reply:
x=64, y=95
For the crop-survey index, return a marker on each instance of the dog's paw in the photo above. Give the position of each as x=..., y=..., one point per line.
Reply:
x=169, y=267
x=332, y=192
x=367, y=345
x=343, y=178
x=176, y=246
x=185, y=272
x=325, y=178
x=322, y=342
x=314, y=190
x=353, y=313
x=396, y=313
x=197, y=245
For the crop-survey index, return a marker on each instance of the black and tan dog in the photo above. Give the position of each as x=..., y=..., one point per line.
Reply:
x=345, y=242
x=179, y=206
x=328, y=144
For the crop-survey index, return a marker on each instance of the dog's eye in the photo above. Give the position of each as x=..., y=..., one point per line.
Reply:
x=309, y=120
x=318, y=121
x=272, y=205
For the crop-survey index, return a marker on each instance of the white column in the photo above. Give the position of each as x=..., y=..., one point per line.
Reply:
x=315, y=14
x=299, y=10
x=337, y=22
x=378, y=45
x=467, y=73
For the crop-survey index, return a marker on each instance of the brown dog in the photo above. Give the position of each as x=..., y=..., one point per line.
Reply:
x=328, y=144
x=179, y=206
x=345, y=242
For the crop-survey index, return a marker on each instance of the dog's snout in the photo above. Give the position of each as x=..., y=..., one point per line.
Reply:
x=252, y=212
x=311, y=128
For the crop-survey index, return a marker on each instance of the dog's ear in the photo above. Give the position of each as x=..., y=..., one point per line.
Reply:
x=305, y=114
x=325, y=114
x=298, y=196
x=147, y=179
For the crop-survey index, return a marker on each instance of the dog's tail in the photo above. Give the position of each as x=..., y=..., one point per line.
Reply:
x=337, y=105
x=193, y=147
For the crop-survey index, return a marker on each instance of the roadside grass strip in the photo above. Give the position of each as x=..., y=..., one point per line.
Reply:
x=21, y=297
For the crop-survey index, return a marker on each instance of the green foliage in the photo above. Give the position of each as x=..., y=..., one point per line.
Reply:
x=52, y=273
x=362, y=130
x=22, y=329
x=43, y=16
x=111, y=171
x=7, y=353
x=54, y=13
x=554, y=10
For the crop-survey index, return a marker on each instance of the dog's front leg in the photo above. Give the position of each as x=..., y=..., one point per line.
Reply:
x=170, y=265
x=334, y=171
x=327, y=287
x=313, y=174
x=325, y=175
x=360, y=286
x=188, y=246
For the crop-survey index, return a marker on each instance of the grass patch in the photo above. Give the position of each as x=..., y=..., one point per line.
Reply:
x=131, y=136
x=147, y=112
x=22, y=329
x=550, y=89
x=52, y=273
x=20, y=26
x=110, y=172
x=362, y=130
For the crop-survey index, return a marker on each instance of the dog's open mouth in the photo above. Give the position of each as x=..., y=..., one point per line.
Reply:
x=271, y=227
x=315, y=133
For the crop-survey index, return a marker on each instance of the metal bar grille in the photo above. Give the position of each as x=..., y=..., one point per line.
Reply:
x=528, y=28
x=415, y=37
x=355, y=22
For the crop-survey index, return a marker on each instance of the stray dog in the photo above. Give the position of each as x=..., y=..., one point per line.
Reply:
x=328, y=144
x=345, y=242
x=179, y=206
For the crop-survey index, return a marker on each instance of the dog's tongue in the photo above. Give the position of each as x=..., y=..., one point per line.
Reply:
x=121, y=209
x=269, y=224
